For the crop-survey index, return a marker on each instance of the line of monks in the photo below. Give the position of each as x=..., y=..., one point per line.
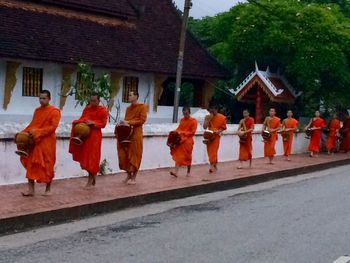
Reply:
x=40, y=162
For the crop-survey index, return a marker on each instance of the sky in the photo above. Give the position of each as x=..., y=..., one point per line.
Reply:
x=202, y=8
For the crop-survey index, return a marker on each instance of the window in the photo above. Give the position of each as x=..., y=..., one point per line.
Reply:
x=129, y=84
x=32, y=82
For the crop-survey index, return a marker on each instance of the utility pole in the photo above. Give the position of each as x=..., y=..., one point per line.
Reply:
x=180, y=59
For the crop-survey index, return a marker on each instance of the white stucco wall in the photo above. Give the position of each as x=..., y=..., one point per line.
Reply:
x=156, y=153
x=20, y=108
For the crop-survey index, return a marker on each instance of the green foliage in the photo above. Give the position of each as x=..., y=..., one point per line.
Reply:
x=186, y=93
x=309, y=43
x=85, y=85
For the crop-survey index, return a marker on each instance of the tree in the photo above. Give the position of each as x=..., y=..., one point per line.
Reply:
x=309, y=43
x=86, y=85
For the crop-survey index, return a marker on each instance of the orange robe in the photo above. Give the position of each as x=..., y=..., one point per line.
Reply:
x=334, y=126
x=246, y=149
x=345, y=144
x=130, y=156
x=315, y=139
x=89, y=153
x=41, y=160
x=269, y=146
x=287, y=145
x=218, y=122
x=182, y=154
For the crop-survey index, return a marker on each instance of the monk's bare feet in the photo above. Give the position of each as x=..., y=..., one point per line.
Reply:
x=127, y=179
x=47, y=193
x=173, y=174
x=288, y=159
x=239, y=167
x=28, y=193
x=213, y=168
x=311, y=154
x=93, y=182
x=131, y=182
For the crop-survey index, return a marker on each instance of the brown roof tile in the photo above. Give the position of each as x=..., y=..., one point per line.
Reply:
x=116, y=7
x=149, y=46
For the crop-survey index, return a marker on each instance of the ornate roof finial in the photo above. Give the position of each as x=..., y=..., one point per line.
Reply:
x=256, y=66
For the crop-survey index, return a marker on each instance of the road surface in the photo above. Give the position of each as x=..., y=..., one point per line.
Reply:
x=303, y=219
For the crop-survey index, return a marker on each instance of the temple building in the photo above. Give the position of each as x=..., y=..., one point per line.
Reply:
x=135, y=41
x=265, y=89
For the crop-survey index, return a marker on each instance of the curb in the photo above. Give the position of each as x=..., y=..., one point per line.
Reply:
x=25, y=222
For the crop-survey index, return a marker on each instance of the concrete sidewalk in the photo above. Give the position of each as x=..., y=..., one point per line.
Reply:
x=71, y=201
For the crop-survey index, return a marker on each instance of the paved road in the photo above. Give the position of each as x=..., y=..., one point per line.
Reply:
x=305, y=219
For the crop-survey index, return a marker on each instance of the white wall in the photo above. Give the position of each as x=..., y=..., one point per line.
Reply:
x=21, y=108
x=156, y=154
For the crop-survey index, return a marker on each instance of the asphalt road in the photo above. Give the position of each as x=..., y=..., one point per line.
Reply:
x=304, y=219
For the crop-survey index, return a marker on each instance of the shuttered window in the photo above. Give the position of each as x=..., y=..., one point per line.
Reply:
x=32, y=82
x=129, y=84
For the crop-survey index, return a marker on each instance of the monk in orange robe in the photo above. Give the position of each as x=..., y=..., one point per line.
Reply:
x=89, y=153
x=215, y=122
x=130, y=156
x=345, y=144
x=182, y=154
x=316, y=124
x=289, y=126
x=272, y=124
x=333, y=129
x=42, y=158
x=245, y=128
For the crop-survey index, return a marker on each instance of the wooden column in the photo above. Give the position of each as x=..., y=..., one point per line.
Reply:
x=115, y=87
x=158, y=90
x=207, y=94
x=66, y=84
x=10, y=81
x=258, y=106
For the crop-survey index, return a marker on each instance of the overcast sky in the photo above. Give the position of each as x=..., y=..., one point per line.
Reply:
x=202, y=8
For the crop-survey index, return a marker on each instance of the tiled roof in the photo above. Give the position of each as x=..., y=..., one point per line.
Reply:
x=149, y=45
x=275, y=86
x=110, y=7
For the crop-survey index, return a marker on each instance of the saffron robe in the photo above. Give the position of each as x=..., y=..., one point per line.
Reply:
x=89, y=153
x=315, y=139
x=334, y=126
x=218, y=122
x=345, y=144
x=269, y=146
x=130, y=156
x=42, y=158
x=289, y=123
x=246, y=149
x=182, y=154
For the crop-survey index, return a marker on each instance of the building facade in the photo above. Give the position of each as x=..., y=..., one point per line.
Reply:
x=134, y=41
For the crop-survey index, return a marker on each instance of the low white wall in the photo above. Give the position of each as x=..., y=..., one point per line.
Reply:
x=156, y=153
